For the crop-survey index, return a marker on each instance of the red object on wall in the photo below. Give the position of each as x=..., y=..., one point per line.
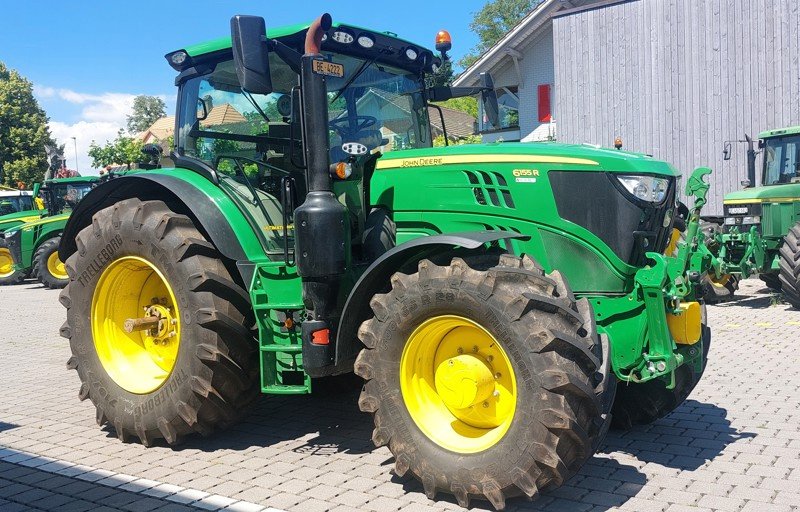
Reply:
x=544, y=103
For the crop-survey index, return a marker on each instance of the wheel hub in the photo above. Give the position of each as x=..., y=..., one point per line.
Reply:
x=138, y=352
x=458, y=384
x=56, y=267
x=464, y=381
x=6, y=263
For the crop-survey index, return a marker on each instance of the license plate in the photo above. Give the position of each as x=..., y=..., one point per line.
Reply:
x=323, y=67
x=741, y=210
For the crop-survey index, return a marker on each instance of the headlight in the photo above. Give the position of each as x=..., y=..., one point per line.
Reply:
x=730, y=221
x=9, y=234
x=646, y=188
x=751, y=220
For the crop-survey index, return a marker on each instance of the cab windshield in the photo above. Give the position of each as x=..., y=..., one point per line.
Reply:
x=782, y=160
x=15, y=204
x=377, y=105
x=253, y=141
x=64, y=197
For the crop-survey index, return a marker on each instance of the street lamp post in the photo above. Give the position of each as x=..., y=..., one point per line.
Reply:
x=76, y=153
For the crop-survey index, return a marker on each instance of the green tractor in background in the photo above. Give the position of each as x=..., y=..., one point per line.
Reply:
x=33, y=245
x=760, y=234
x=501, y=301
x=16, y=207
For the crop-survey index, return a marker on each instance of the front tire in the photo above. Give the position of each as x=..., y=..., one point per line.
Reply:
x=529, y=408
x=790, y=266
x=7, y=273
x=196, y=370
x=47, y=266
x=773, y=281
x=642, y=404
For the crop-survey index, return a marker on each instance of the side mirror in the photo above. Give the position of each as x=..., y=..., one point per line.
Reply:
x=251, y=54
x=726, y=151
x=489, y=100
x=761, y=144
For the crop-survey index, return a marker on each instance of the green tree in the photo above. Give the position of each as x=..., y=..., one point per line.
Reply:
x=493, y=21
x=23, y=131
x=121, y=151
x=146, y=111
x=442, y=77
x=468, y=104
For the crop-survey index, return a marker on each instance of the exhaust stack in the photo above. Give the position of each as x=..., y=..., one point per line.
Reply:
x=320, y=222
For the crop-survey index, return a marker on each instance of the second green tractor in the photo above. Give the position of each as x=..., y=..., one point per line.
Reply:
x=33, y=245
x=502, y=302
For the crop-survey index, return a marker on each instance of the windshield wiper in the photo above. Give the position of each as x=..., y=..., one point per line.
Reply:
x=353, y=78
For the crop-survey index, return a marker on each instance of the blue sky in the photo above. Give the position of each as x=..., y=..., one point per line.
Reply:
x=88, y=59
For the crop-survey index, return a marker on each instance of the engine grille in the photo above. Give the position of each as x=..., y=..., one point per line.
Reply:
x=597, y=202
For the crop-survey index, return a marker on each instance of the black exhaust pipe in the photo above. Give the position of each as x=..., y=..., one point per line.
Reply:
x=320, y=222
x=751, y=162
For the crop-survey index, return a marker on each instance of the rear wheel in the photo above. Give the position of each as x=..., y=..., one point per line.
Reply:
x=642, y=404
x=47, y=266
x=790, y=266
x=7, y=273
x=159, y=331
x=485, y=383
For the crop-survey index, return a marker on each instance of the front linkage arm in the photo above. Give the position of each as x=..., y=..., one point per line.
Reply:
x=667, y=282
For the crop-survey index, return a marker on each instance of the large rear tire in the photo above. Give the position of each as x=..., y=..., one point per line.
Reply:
x=642, y=404
x=47, y=266
x=528, y=406
x=197, y=369
x=790, y=266
x=7, y=273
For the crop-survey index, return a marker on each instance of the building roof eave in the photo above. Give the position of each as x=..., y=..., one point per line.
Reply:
x=491, y=57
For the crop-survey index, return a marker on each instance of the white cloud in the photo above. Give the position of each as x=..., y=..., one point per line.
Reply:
x=101, y=117
x=84, y=132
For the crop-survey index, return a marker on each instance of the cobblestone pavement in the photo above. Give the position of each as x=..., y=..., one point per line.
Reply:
x=734, y=445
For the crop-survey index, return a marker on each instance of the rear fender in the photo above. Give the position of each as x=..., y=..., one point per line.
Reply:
x=376, y=278
x=186, y=192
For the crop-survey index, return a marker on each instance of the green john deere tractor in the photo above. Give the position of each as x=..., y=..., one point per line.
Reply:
x=499, y=300
x=33, y=246
x=16, y=207
x=760, y=235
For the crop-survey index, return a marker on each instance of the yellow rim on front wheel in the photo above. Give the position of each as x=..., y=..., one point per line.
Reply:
x=135, y=324
x=6, y=263
x=458, y=384
x=56, y=268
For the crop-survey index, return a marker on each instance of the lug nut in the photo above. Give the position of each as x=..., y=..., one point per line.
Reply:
x=485, y=405
x=460, y=350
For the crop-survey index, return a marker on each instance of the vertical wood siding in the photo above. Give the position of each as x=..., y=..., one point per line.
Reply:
x=678, y=78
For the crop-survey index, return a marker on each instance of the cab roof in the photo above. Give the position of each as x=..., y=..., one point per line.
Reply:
x=299, y=29
x=792, y=130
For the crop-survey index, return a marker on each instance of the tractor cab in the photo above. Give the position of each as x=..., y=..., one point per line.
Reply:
x=63, y=195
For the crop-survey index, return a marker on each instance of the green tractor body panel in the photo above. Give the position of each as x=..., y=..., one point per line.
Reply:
x=28, y=230
x=29, y=236
x=16, y=209
x=758, y=218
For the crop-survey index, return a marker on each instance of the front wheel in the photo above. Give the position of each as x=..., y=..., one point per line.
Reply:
x=159, y=331
x=486, y=383
x=7, y=273
x=644, y=403
x=790, y=266
x=47, y=266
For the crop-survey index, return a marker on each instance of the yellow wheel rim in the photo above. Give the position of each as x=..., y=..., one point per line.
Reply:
x=56, y=268
x=458, y=384
x=132, y=288
x=6, y=263
x=719, y=282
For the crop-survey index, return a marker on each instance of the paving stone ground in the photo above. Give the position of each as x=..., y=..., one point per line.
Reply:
x=734, y=445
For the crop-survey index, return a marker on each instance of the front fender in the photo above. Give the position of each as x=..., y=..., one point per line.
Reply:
x=376, y=278
x=186, y=192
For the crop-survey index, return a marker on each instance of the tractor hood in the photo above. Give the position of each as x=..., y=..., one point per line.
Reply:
x=576, y=157
x=45, y=220
x=19, y=217
x=785, y=193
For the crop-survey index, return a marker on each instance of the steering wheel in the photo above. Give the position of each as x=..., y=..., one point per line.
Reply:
x=342, y=125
